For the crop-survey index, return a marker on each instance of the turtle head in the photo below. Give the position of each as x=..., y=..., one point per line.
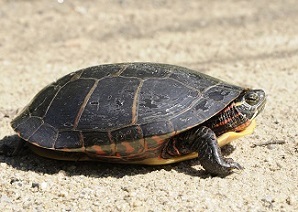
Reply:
x=237, y=119
x=250, y=103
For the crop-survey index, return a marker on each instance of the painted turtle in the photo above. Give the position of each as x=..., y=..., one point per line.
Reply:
x=143, y=113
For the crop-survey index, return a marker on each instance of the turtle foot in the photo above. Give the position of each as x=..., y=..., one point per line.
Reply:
x=220, y=166
x=10, y=147
x=210, y=155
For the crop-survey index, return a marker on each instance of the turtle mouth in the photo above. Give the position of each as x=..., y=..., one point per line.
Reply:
x=251, y=103
x=259, y=108
x=262, y=106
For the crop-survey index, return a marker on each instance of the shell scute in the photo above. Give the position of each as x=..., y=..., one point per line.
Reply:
x=45, y=136
x=101, y=71
x=128, y=140
x=39, y=106
x=29, y=126
x=144, y=70
x=160, y=99
x=65, y=107
x=157, y=128
x=95, y=141
x=110, y=104
x=68, y=139
x=195, y=80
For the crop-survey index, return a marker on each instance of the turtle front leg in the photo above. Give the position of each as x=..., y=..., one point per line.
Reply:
x=204, y=142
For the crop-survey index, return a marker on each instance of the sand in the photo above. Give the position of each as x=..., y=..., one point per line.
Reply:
x=248, y=43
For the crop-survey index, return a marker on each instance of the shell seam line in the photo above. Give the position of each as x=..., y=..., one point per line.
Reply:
x=81, y=110
x=121, y=70
x=42, y=122
x=188, y=86
x=135, y=108
x=51, y=102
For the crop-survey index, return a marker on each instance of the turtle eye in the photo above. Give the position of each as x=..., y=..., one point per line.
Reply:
x=252, y=98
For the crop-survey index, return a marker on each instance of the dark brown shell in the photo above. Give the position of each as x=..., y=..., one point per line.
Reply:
x=121, y=110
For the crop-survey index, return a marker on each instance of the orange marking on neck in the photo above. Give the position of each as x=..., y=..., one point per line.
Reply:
x=242, y=126
x=175, y=148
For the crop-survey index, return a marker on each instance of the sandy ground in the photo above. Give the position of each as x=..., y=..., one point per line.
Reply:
x=249, y=43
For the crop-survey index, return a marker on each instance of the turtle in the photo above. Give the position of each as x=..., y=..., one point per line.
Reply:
x=139, y=113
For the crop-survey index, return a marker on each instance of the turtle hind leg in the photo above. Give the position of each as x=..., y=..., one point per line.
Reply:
x=19, y=148
x=12, y=146
x=210, y=156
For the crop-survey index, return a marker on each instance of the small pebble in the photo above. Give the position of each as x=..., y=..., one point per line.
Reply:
x=125, y=189
x=13, y=180
x=27, y=203
x=35, y=185
x=268, y=201
x=62, y=173
x=43, y=185
x=5, y=198
x=291, y=200
x=3, y=165
x=63, y=193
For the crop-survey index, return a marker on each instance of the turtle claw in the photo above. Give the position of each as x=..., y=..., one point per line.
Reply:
x=233, y=164
x=220, y=166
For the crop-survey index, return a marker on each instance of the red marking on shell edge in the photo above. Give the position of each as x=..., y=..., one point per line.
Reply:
x=97, y=150
x=64, y=149
x=160, y=138
x=128, y=147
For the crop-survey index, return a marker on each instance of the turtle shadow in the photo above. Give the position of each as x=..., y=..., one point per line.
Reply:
x=26, y=160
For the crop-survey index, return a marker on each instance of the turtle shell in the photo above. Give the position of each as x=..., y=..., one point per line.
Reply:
x=123, y=111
